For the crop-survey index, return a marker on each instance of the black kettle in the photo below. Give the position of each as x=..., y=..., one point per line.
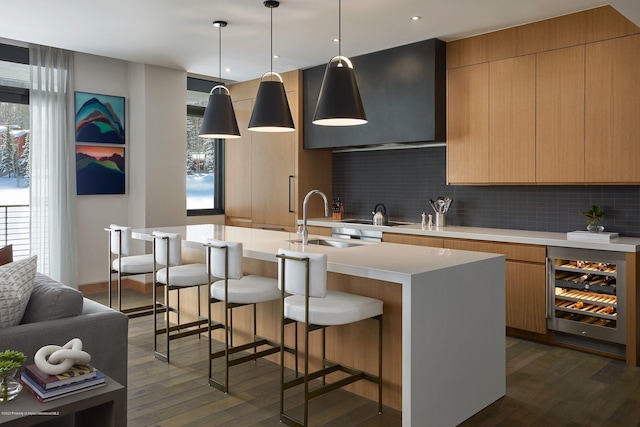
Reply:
x=380, y=216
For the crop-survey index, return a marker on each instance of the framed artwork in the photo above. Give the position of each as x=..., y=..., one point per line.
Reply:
x=100, y=169
x=99, y=118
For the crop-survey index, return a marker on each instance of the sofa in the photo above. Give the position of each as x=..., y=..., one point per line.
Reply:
x=56, y=313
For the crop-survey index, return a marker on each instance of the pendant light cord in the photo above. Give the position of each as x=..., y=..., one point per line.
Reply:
x=339, y=27
x=271, y=59
x=220, y=53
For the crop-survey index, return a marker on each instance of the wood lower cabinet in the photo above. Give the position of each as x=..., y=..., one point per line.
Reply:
x=525, y=294
x=612, y=152
x=525, y=275
x=525, y=281
x=267, y=175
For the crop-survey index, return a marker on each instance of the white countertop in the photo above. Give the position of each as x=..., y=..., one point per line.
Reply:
x=621, y=244
x=382, y=261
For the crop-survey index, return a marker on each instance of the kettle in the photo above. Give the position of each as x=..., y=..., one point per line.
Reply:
x=380, y=217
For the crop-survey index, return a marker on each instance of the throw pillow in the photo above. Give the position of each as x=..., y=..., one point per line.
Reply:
x=51, y=300
x=6, y=255
x=16, y=284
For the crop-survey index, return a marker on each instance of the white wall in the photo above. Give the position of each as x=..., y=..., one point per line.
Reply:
x=155, y=154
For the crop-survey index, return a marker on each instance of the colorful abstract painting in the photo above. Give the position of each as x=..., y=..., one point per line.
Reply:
x=100, y=169
x=99, y=118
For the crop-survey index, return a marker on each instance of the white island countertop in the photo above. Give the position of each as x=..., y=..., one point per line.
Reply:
x=620, y=244
x=452, y=316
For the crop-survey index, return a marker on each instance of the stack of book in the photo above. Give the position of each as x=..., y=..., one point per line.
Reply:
x=47, y=387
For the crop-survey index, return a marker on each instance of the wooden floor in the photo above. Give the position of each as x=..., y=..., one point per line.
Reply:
x=546, y=386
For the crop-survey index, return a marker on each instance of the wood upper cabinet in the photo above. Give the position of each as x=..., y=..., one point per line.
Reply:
x=491, y=122
x=512, y=131
x=560, y=116
x=468, y=124
x=612, y=139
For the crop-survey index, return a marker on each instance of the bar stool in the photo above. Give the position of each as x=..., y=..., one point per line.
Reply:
x=167, y=251
x=124, y=265
x=236, y=290
x=304, y=276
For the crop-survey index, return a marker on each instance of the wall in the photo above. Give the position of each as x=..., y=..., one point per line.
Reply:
x=155, y=155
x=404, y=180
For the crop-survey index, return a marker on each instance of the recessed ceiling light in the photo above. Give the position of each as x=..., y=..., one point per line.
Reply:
x=416, y=18
x=228, y=70
x=276, y=56
x=336, y=40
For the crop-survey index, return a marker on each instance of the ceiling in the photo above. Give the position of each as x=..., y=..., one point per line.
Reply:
x=179, y=33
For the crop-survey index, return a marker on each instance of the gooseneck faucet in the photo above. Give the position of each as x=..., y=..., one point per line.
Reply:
x=305, y=232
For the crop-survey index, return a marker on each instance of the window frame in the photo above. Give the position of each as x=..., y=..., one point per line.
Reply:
x=205, y=86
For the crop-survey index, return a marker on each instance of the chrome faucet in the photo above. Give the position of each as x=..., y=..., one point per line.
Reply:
x=304, y=231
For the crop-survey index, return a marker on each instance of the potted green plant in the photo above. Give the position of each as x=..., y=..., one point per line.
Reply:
x=10, y=362
x=594, y=219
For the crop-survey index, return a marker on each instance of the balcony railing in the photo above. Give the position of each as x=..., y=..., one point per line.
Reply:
x=14, y=229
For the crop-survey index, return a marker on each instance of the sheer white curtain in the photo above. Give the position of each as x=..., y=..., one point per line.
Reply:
x=52, y=156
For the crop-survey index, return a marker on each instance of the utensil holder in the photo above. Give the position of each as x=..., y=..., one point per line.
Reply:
x=440, y=220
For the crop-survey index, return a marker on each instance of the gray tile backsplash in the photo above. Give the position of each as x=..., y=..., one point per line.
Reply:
x=404, y=180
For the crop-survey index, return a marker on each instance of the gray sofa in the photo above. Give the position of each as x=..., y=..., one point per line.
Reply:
x=57, y=313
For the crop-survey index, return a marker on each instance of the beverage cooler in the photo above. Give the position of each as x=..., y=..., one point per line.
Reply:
x=586, y=298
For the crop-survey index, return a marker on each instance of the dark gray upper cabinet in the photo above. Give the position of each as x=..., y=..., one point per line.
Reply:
x=403, y=92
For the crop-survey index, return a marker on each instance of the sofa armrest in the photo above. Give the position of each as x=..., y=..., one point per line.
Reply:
x=103, y=331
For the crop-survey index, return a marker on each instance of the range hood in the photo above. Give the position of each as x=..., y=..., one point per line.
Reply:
x=403, y=91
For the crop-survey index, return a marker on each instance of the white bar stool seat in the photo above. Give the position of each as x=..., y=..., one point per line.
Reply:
x=134, y=264
x=250, y=289
x=336, y=308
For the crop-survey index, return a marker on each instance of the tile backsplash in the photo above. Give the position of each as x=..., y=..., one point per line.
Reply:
x=405, y=180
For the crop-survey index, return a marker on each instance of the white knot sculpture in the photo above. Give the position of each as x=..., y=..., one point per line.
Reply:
x=56, y=360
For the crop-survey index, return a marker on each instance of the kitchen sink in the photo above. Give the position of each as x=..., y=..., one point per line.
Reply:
x=332, y=243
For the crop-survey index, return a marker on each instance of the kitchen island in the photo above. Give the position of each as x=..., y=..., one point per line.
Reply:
x=444, y=318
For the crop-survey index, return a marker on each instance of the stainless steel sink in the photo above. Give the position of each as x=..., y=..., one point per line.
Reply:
x=332, y=243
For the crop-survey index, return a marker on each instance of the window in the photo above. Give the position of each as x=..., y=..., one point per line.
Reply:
x=14, y=149
x=205, y=157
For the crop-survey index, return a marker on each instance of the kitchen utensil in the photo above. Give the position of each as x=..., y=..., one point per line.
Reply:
x=441, y=205
x=380, y=217
x=433, y=205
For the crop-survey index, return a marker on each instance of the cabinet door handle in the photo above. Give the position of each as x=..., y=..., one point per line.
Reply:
x=290, y=185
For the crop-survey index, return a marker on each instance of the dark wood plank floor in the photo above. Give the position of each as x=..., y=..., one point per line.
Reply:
x=546, y=386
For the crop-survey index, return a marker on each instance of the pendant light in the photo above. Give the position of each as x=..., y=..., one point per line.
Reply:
x=271, y=111
x=219, y=119
x=339, y=102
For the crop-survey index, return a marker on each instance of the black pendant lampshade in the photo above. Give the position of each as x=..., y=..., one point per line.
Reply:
x=219, y=119
x=339, y=102
x=271, y=111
